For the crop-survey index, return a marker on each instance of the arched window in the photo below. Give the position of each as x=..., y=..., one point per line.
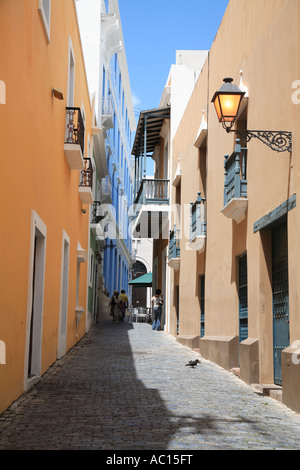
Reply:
x=138, y=269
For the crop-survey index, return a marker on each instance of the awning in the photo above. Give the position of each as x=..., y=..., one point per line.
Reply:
x=142, y=281
x=149, y=127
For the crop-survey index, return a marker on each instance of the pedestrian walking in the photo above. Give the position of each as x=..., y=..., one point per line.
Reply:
x=116, y=306
x=157, y=302
x=124, y=299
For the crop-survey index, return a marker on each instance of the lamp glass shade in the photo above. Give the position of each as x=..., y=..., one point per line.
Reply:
x=218, y=108
x=229, y=105
x=227, y=102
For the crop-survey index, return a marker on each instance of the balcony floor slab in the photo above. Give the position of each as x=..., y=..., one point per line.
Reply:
x=85, y=194
x=236, y=209
x=74, y=156
x=198, y=243
x=152, y=222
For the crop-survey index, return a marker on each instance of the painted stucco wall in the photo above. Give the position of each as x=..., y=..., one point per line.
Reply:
x=36, y=177
x=261, y=40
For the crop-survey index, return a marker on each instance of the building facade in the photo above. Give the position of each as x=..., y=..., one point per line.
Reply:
x=110, y=251
x=116, y=116
x=47, y=119
x=234, y=281
x=154, y=139
x=222, y=206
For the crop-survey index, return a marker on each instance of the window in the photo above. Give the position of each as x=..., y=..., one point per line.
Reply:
x=64, y=287
x=45, y=13
x=91, y=274
x=2, y=353
x=242, y=124
x=203, y=166
x=71, y=76
x=2, y=92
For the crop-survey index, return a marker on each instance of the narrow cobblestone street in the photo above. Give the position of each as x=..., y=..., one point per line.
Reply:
x=126, y=387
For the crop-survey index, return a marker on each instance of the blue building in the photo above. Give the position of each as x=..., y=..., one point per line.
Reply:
x=116, y=117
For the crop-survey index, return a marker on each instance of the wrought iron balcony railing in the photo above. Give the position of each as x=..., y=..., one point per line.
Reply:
x=74, y=128
x=235, y=185
x=198, y=218
x=174, y=248
x=153, y=191
x=95, y=217
x=86, y=179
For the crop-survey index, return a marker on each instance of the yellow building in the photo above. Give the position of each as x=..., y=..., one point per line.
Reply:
x=46, y=119
x=230, y=270
x=243, y=236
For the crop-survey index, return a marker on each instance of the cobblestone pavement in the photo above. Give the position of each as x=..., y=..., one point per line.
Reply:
x=126, y=387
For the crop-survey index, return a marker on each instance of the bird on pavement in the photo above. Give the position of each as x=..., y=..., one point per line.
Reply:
x=193, y=363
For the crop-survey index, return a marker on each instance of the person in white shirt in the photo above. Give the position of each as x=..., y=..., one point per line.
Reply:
x=157, y=302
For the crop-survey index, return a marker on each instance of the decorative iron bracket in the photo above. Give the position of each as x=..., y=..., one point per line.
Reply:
x=279, y=141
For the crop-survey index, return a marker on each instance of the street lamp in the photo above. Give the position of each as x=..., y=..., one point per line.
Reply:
x=227, y=103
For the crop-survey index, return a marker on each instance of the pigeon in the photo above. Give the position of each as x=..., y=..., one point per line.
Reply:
x=193, y=363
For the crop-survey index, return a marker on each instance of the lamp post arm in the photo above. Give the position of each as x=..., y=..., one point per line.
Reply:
x=279, y=141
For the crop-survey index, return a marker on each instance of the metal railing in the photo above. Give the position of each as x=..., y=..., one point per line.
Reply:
x=198, y=217
x=74, y=128
x=86, y=179
x=174, y=248
x=153, y=191
x=235, y=165
x=95, y=216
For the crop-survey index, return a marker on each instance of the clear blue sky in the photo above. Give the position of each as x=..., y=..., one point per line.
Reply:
x=153, y=30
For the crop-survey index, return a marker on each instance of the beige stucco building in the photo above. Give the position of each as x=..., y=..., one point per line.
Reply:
x=232, y=262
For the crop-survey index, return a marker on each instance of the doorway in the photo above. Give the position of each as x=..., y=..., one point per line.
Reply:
x=35, y=304
x=139, y=294
x=243, y=298
x=201, y=296
x=177, y=310
x=280, y=293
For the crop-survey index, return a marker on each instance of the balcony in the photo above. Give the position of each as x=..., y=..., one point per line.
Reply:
x=99, y=136
x=235, y=185
x=74, y=139
x=174, y=249
x=107, y=114
x=96, y=226
x=106, y=193
x=86, y=182
x=198, y=224
x=151, y=196
x=153, y=191
x=152, y=208
x=110, y=35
